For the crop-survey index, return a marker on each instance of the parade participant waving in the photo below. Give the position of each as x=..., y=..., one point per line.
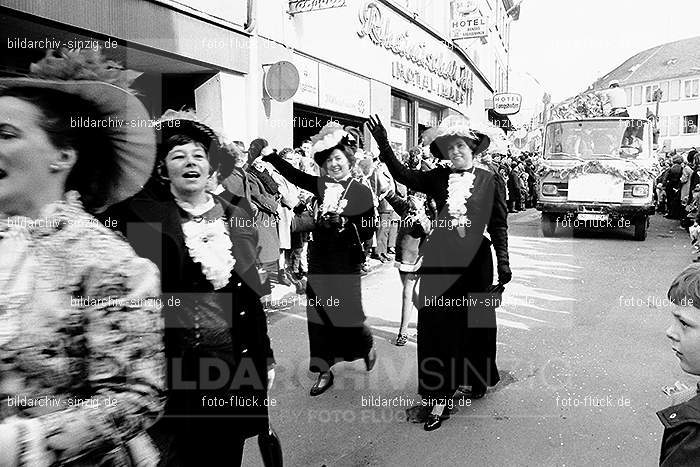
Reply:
x=80, y=325
x=456, y=314
x=336, y=320
x=220, y=363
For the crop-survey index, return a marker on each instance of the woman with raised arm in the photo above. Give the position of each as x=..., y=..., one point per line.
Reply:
x=82, y=372
x=336, y=320
x=456, y=311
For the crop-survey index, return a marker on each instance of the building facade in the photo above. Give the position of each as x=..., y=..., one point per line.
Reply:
x=226, y=58
x=674, y=70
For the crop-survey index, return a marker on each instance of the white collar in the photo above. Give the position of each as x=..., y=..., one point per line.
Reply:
x=198, y=210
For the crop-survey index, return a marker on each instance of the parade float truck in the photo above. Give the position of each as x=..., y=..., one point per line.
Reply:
x=597, y=173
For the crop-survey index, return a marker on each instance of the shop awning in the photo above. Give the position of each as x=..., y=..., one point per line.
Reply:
x=501, y=121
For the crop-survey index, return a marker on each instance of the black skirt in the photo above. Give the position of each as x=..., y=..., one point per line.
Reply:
x=457, y=328
x=336, y=320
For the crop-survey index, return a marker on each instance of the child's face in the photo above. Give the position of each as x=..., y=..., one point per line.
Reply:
x=684, y=333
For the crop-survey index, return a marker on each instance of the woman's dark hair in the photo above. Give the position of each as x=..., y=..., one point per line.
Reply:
x=255, y=148
x=169, y=144
x=347, y=149
x=96, y=169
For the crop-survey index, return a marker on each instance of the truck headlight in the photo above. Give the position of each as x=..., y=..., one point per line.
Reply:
x=549, y=189
x=640, y=190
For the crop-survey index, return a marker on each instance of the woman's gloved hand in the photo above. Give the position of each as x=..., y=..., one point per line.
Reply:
x=374, y=125
x=504, y=273
x=332, y=220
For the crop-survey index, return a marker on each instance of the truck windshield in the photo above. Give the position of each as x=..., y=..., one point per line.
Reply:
x=597, y=139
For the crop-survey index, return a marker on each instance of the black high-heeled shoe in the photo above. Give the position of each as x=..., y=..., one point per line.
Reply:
x=370, y=359
x=324, y=381
x=435, y=421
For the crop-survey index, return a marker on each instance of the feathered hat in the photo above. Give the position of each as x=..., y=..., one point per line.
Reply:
x=187, y=123
x=454, y=125
x=104, y=84
x=331, y=135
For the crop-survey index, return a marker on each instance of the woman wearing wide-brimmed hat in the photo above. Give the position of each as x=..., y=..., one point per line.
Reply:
x=82, y=369
x=216, y=340
x=336, y=320
x=456, y=317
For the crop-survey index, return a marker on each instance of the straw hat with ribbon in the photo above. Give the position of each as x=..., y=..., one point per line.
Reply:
x=331, y=135
x=451, y=126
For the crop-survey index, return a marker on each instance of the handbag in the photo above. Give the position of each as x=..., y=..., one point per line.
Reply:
x=304, y=221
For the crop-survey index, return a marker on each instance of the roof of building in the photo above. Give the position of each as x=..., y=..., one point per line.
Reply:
x=665, y=61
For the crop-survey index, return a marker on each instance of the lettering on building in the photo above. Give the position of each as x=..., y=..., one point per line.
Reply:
x=418, y=55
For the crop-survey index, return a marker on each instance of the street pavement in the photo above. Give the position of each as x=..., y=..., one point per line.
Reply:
x=582, y=356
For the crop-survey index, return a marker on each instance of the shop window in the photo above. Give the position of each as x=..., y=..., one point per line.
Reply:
x=664, y=91
x=675, y=90
x=690, y=124
x=400, y=109
x=673, y=124
x=400, y=133
x=691, y=88
x=637, y=95
x=427, y=117
x=663, y=126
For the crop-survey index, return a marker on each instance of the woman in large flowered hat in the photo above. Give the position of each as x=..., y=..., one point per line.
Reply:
x=80, y=326
x=456, y=316
x=345, y=219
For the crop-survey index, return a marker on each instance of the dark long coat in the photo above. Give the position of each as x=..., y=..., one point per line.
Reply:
x=456, y=318
x=334, y=294
x=222, y=333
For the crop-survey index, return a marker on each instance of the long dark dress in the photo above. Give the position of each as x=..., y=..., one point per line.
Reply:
x=456, y=319
x=216, y=341
x=336, y=320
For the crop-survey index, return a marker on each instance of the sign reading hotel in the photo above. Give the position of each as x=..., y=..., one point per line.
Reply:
x=416, y=62
x=507, y=103
x=465, y=20
x=302, y=6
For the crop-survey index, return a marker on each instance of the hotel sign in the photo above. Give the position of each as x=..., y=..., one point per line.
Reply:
x=507, y=103
x=423, y=66
x=302, y=6
x=465, y=20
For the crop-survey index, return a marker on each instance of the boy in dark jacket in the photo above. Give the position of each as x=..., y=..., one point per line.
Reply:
x=681, y=441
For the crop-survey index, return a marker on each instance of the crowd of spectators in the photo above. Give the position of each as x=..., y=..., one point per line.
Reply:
x=678, y=191
x=282, y=251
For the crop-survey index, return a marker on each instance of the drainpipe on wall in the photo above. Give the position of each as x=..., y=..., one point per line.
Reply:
x=250, y=16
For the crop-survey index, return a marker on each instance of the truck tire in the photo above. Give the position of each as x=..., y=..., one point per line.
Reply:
x=640, y=228
x=549, y=227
